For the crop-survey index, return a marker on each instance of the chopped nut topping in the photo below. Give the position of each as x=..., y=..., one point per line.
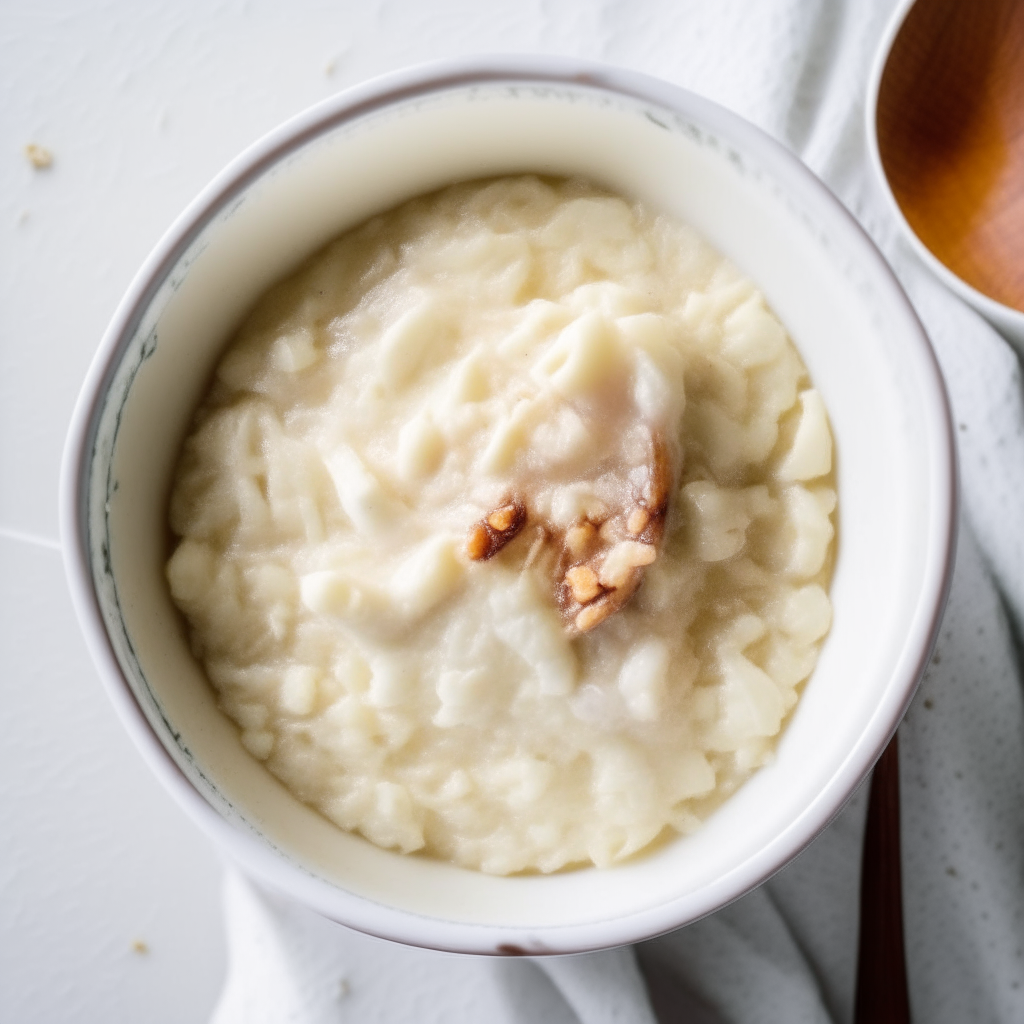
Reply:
x=595, y=567
x=582, y=582
x=487, y=538
x=626, y=556
x=614, y=554
x=637, y=521
x=659, y=477
x=579, y=540
x=502, y=519
x=594, y=614
x=479, y=542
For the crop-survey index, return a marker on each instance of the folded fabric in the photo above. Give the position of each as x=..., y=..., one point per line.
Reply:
x=786, y=952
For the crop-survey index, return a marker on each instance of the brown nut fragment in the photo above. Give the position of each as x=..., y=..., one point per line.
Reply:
x=618, y=549
x=487, y=538
x=501, y=519
x=659, y=481
x=594, y=614
x=583, y=583
x=579, y=540
x=478, y=543
x=637, y=521
x=622, y=559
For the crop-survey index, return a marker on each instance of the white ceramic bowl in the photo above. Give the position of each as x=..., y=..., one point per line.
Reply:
x=361, y=152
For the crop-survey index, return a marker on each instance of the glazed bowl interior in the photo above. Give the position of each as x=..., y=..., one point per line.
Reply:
x=350, y=158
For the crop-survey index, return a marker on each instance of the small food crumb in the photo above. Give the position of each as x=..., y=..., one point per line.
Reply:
x=140, y=947
x=343, y=988
x=38, y=156
x=336, y=61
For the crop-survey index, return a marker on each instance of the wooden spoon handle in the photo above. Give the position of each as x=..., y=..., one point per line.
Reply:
x=881, y=965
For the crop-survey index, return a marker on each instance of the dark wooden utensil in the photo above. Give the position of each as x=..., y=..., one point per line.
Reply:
x=881, y=965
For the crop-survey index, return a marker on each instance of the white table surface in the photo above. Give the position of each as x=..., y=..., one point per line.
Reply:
x=141, y=103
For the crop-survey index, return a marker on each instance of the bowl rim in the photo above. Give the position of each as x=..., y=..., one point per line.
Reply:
x=255, y=855
x=998, y=312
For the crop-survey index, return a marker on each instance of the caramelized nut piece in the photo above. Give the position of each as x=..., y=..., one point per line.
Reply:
x=582, y=582
x=595, y=567
x=478, y=543
x=626, y=556
x=594, y=614
x=616, y=550
x=579, y=540
x=659, y=480
x=487, y=538
x=502, y=519
x=638, y=520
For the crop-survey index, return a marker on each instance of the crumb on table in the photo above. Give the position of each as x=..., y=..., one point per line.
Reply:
x=140, y=947
x=38, y=156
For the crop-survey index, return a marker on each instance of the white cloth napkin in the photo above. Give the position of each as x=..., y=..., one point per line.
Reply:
x=786, y=952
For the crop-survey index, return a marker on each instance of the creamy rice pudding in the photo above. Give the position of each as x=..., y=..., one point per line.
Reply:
x=506, y=527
